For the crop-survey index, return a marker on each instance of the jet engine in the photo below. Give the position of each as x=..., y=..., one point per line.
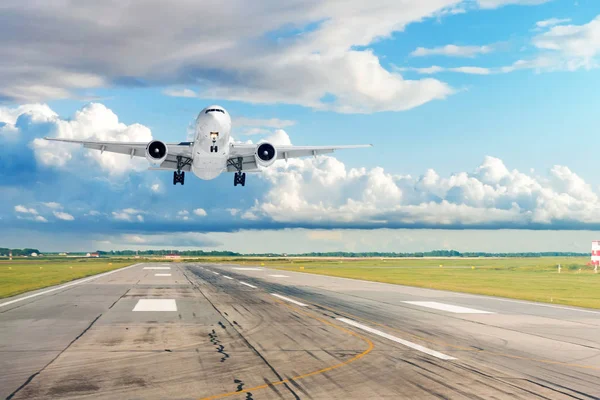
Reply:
x=266, y=154
x=156, y=151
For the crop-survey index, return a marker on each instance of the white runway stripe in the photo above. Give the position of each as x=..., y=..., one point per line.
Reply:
x=290, y=300
x=279, y=276
x=162, y=274
x=66, y=285
x=447, y=307
x=247, y=284
x=157, y=267
x=406, y=343
x=247, y=269
x=155, y=305
x=216, y=273
x=227, y=277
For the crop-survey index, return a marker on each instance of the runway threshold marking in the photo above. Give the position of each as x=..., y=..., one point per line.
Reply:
x=156, y=268
x=309, y=374
x=247, y=284
x=155, y=305
x=162, y=274
x=227, y=277
x=447, y=307
x=406, y=343
x=290, y=300
x=67, y=285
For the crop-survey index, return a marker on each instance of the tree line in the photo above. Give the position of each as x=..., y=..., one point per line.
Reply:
x=17, y=252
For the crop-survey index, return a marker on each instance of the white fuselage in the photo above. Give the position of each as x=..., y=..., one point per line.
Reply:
x=211, y=142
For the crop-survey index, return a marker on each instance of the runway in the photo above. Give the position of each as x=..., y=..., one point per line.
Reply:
x=207, y=331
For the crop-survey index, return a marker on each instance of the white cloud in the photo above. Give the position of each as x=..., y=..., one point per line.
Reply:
x=129, y=215
x=500, y=3
x=156, y=188
x=571, y=47
x=53, y=205
x=463, y=70
x=264, y=123
x=24, y=210
x=233, y=211
x=94, y=122
x=183, y=212
x=35, y=112
x=551, y=22
x=231, y=55
x=180, y=93
x=39, y=218
x=452, y=51
x=200, y=212
x=322, y=190
x=63, y=216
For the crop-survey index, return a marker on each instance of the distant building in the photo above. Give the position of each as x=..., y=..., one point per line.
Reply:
x=96, y=255
x=173, y=256
x=596, y=252
x=62, y=254
x=34, y=254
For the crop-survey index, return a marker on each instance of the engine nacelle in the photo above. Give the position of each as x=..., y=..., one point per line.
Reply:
x=265, y=154
x=156, y=151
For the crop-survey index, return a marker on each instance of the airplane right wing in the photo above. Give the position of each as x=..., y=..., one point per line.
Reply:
x=247, y=153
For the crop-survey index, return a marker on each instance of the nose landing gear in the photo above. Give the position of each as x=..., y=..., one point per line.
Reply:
x=178, y=177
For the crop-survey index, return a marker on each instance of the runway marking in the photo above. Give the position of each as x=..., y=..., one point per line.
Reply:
x=216, y=273
x=67, y=285
x=227, y=277
x=155, y=305
x=157, y=268
x=447, y=307
x=279, y=276
x=247, y=284
x=406, y=343
x=247, y=269
x=290, y=300
x=309, y=374
x=162, y=274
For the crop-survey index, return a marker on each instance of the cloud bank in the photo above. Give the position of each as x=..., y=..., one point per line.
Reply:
x=113, y=193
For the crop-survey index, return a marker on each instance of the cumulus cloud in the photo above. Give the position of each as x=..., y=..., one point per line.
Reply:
x=53, y=205
x=94, y=122
x=200, y=212
x=324, y=191
x=435, y=69
x=63, y=216
x=24, y=210
x=247, y=54
x=129, y=215
x=452, y=51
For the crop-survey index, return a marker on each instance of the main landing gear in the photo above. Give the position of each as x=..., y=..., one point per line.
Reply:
x=179, y=175
x=240, y=177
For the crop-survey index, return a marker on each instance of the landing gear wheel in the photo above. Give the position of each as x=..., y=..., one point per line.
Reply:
x=178, y=177
x=239, y=178
x=214, y=149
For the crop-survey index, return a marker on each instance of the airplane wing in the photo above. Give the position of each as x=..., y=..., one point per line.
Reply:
x=138, y=149
x=246, y=152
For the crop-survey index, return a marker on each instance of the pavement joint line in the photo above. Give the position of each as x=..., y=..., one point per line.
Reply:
x=247, y=284
x=406, y=343
x=290, y=300
x=84, y=280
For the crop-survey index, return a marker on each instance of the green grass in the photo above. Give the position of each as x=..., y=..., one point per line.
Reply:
x=533, y=279
x=21, y=276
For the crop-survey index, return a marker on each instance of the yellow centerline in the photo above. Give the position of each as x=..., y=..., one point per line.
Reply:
x=298, y=377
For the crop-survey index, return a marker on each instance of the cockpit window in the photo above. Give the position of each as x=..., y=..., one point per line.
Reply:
x=214, y=109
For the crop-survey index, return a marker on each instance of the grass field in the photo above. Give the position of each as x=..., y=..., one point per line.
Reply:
x=24, y=275
x=535, y=279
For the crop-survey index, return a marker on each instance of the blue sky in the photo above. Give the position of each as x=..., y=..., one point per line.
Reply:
x=482, y=114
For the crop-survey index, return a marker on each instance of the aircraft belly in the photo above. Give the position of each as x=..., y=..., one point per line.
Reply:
x=208, y=167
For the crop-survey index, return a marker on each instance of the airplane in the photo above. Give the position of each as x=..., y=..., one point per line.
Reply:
x=211, y=152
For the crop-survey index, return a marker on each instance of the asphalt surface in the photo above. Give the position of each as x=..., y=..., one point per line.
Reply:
x=217, y=331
